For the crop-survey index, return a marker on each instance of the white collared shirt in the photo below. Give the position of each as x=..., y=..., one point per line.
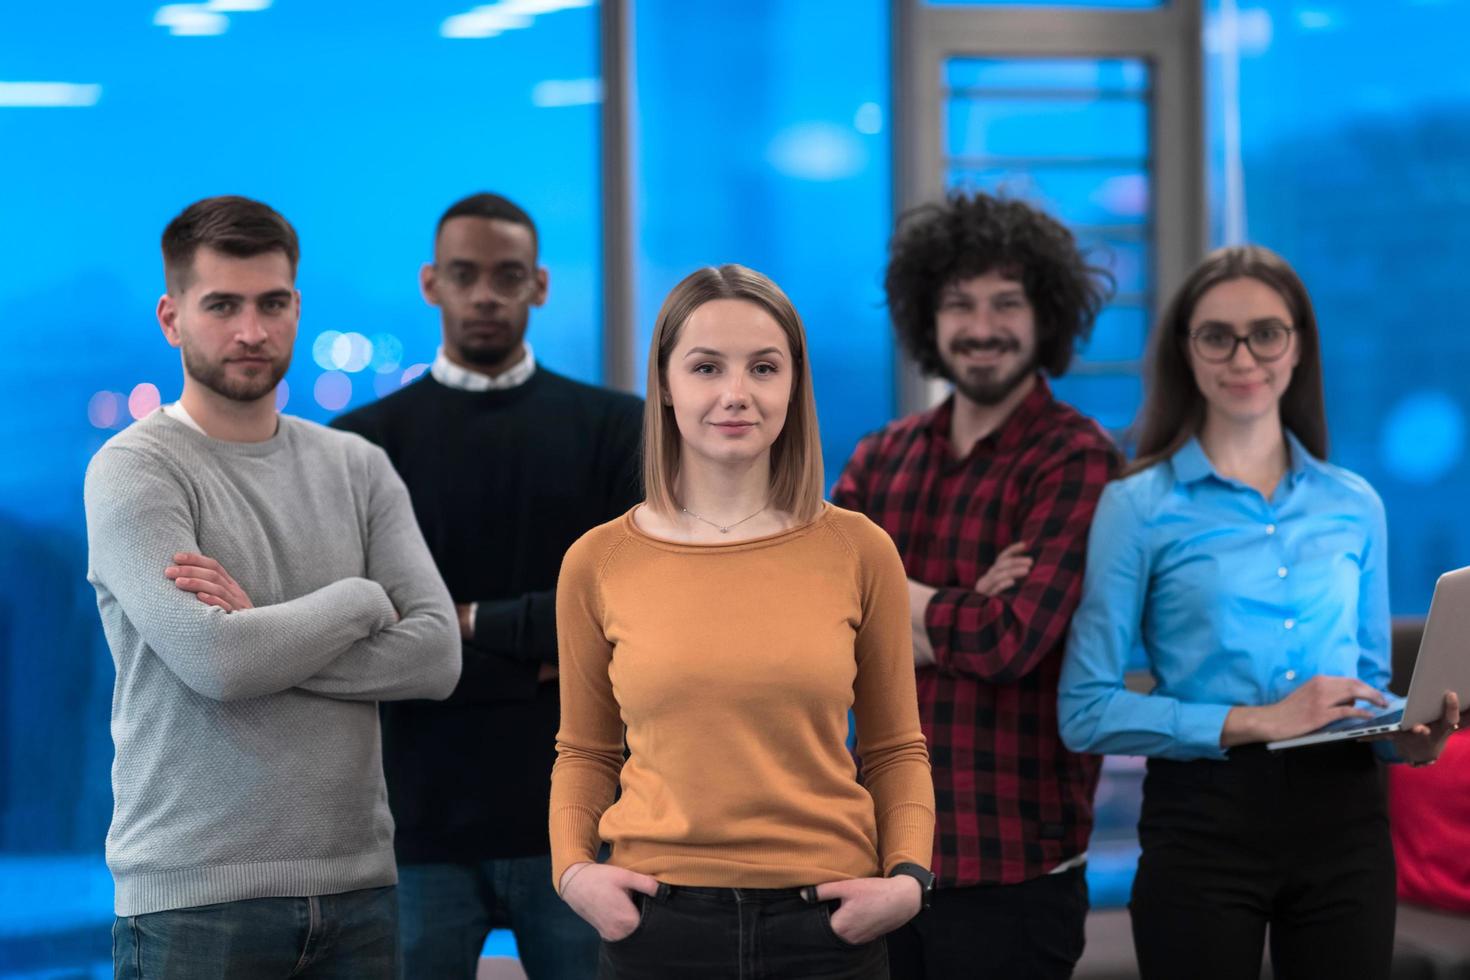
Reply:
x=451, y=375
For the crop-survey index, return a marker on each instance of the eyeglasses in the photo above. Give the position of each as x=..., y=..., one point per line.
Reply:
x=1268, y=342
x=512, y=283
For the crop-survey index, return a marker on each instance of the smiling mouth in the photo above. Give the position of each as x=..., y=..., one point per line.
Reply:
x=982, y=356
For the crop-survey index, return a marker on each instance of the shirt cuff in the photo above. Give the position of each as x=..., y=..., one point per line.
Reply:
x=939, y=621
x=1200, y=727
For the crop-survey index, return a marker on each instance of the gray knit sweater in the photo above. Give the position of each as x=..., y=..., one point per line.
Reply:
x=248, y=761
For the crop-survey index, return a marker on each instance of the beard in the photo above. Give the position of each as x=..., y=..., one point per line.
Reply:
x=987, y=385
x=490, y=349
x=256, y=383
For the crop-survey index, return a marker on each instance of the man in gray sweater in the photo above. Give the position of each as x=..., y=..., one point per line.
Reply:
x=263, y=584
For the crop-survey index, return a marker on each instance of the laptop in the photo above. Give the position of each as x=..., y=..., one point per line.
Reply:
x=1443, y=665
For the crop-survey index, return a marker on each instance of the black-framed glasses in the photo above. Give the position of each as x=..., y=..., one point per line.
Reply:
x=1218, y=344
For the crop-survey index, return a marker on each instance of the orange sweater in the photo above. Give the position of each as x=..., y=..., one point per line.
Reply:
x=733, y=667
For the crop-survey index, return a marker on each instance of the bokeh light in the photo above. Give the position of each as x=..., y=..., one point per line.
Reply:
x=143, y=400
x=351, y=352
x=102, y=409
x=413, y=372
x=322, y=347
x=283, y=395
x=387, y=353
x=333, y=390
x=1423, y=437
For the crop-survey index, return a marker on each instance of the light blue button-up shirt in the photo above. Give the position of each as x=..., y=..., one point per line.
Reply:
x=1235, y=599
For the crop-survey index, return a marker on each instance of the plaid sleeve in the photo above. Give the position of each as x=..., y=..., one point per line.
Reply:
x=1000, y=639
x=848, y=493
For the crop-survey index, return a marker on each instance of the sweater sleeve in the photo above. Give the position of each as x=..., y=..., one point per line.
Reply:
x=890, y=742
x=1095, y=710
x=589, y=745
x=418, y=656
x=522, y=629
x=138, y=518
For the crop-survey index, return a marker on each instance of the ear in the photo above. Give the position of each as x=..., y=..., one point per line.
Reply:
x=543, y=280
x=168, y=319
x=429, y=283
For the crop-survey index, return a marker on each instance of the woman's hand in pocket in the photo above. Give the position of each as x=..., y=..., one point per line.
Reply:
x=602, y=894
x=871, y=907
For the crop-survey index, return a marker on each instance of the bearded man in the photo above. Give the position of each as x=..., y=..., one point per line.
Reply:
x=989, y=497
x=263, y=585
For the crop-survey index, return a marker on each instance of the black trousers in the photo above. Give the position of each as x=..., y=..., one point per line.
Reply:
x=1028, y=931
x=1297, y=840
x=737, y=934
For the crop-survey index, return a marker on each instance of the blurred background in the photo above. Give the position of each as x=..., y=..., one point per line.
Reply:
x=647, y=138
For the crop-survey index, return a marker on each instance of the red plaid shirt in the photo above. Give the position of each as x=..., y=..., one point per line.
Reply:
x=1012, y=802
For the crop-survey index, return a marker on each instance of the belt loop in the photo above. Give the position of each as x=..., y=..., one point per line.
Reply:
x=662, y=895
x=809, y=894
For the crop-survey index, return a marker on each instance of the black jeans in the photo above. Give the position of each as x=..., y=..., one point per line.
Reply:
x=737, y=934
x=1297, y=840
x=1028, y=931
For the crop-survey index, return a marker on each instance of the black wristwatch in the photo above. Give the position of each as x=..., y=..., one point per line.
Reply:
x=922, y=875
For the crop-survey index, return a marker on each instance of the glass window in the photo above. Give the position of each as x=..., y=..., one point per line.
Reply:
x=1102, y=4
x=763, y=140
x=1071, y=135
x=1361, y=185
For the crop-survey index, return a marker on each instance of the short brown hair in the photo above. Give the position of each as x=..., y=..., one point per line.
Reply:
x=236, y=226
x=796, y=455
x=1173, y=407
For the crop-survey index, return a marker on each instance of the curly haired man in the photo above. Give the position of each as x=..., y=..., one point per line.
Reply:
x=989, y=496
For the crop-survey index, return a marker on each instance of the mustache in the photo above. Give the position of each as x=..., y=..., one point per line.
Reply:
x=972, y=345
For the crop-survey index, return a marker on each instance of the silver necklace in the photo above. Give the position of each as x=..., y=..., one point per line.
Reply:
x=725, y=528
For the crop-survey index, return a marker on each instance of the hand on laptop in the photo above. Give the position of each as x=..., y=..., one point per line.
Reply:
x=1422, y=744
x=1320, y=701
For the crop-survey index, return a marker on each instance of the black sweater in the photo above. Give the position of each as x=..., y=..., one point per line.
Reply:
x=503, y=482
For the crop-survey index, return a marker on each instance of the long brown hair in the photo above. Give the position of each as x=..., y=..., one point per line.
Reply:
x=1173, y=407
x=796, y=455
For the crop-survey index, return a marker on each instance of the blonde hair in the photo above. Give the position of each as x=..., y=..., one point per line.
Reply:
x=796, y=455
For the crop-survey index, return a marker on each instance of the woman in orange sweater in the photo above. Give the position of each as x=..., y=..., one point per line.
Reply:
x=727, y=624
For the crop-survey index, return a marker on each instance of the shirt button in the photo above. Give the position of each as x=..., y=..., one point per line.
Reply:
x=1291, y=675
x=1290, y=624
x=1281, y=572
x=1270, y=528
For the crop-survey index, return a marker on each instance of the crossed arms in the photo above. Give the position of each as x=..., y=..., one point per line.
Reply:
x=347, y=639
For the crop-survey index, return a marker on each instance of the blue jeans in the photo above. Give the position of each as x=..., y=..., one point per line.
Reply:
x=326, y=937
x=449, y=909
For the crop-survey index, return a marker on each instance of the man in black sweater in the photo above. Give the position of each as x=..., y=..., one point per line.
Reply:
x=507, y=464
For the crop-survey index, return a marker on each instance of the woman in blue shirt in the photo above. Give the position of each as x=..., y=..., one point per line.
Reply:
x=1253, y=574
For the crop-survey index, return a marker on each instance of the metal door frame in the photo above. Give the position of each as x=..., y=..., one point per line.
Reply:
x=1168, y=37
